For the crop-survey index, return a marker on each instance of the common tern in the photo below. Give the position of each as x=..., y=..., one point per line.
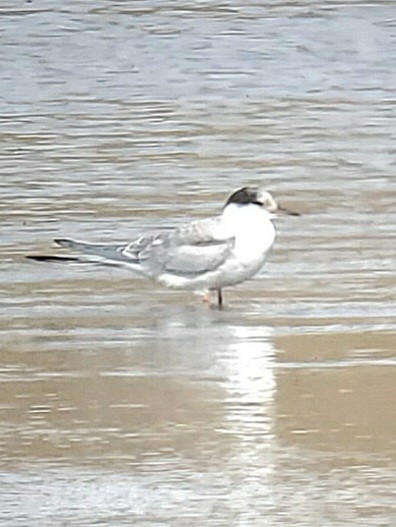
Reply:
x=203, y=255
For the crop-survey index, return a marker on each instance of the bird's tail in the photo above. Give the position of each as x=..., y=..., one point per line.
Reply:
x=105, y=254
x=53, y=258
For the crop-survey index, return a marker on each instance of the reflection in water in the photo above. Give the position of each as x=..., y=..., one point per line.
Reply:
x=251, y=364
x=248, y=368
x=154, y=394
x=206, y=406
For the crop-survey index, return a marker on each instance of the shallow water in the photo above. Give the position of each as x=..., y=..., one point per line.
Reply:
x=123, y=403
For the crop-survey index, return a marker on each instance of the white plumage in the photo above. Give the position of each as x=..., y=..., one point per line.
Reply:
x=206, y=254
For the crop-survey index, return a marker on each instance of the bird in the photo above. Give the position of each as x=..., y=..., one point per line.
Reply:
x=204, y=255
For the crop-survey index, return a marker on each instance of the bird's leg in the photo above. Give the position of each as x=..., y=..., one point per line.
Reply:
x=219, y=298
x=206, y=298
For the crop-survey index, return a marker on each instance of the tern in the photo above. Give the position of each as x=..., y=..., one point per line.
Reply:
x=204, y=255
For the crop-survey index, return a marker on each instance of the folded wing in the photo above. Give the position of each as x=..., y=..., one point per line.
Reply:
x=191, y=250
x=188, y=251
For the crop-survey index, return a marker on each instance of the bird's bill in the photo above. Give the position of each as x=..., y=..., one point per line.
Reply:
x=283, y=210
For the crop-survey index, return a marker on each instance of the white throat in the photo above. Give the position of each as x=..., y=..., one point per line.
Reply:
x=252, y=228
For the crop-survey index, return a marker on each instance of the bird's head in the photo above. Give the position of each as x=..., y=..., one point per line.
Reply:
x=259, y=197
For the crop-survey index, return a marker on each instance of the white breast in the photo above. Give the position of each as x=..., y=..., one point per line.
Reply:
x=254, y=234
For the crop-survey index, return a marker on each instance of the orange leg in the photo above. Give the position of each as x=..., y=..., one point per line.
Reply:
x=206, y=298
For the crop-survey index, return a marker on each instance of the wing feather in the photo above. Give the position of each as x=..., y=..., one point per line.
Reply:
x=190, y=250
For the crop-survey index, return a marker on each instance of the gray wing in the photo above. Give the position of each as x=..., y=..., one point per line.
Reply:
x=191, y=250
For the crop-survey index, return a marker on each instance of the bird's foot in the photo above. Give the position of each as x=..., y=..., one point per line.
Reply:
x=207, y=299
